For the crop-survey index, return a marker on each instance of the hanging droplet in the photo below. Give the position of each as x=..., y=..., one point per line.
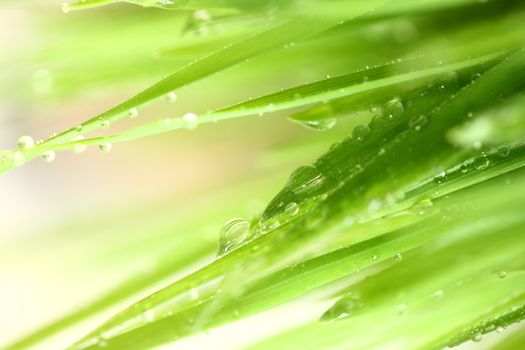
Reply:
x=502, y=274
x=191, y=121
x=393, y=109
x=418, y=123
x=49, y=156
x=482, y=162
x=422, y=207
x=321, y=125
x=361, y=133
x=79, y=148
x=105, y=147
x=133, y=113
x=105, y=124
x=171, y=97
x=343, y=308
x=25, y=142
x=292, y=209
x=233, y=234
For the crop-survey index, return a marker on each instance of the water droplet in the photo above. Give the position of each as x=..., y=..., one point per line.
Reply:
x=503, y=151
x=292, y=209
x=200, y=15
x=361, y=133
x=191, y=121
x=105, y=124
x=65, y=7
x=25, y=142
x=49, y=156
x=171, y=97
x=422, y=207
x=476, y=337
x=502, y=274
x=343, y=308
x=418, y=123
x=79, y=148
x=78, y=128
x=233, y=234
x=398, y=257
x=133, y=113
x=500, y=329
x=305, y=178
x=393, y=109
x=105, y=147
x=327, y=76
x=482, y=162
x=399, y=310
x=272, y=223
x=321, y=125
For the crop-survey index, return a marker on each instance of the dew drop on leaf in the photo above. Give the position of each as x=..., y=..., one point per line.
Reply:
x=133, y=113
x=321, y=125
x=292, y=209
x=49, y=156
x=476, y=337
x=79, y=148
x=503, y=151
x=343, y=308
x=25, y=142
x=171, y=97
x=398, y=257
x=105, y=124
x=418, y=123
x=482, y=162
x=393, y=109
x=502, y=274
x=361, y=133
x=233, y=234
x=306, y=178
x=105, y=147
x=422, y=207
x=191, y=121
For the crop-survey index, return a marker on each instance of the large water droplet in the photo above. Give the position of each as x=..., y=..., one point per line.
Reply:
x=233, y=234
x=393, y=109
x=361, y=133
x=503, y=151
x=25, y=142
